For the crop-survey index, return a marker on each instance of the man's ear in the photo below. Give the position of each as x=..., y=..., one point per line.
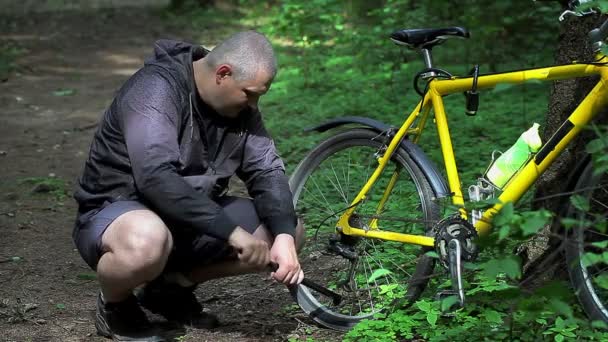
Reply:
x=222, y=72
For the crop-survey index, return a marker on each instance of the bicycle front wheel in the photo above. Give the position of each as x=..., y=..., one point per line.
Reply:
x=369, y=274
x=587, y=245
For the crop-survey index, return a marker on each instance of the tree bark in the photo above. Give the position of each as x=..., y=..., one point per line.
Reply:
x=541, y=256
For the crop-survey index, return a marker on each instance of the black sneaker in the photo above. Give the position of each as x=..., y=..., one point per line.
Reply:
x=124, y=321
x=176, y=303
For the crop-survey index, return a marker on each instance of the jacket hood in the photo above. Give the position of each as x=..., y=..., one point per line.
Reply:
x=176, y=57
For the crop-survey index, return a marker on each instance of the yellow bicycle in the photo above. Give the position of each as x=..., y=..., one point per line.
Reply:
x=373, y=202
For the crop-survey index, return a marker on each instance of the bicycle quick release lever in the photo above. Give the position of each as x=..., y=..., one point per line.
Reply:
x=336, y=298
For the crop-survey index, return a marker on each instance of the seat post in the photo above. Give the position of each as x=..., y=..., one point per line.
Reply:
x=428, y=60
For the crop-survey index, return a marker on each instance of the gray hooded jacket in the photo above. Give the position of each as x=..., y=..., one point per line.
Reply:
x=160, y=144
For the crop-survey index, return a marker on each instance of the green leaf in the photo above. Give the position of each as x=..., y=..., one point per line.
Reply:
x=503, y=232
x=448, y=302
x=492, y=316
x=86, y=276
x=378, y=273
x=559, y=338
x=599, y=324
x=16, y=258
x=534, y=221
x=509, y=265
x=570, y=223
x=600, y=244
x=561, y=307
x=432, y=317
x=432, y=254
x=602, y=281
x=541, y=321
x=60, y=306
x=590, y=259
x=424, y=306
x=569, y=333
x=505, y=216
x=64, y=92
x=387, y=288
x=580, y=203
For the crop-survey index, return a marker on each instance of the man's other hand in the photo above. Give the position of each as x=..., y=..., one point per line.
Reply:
x=283, y=252
x=251, y=250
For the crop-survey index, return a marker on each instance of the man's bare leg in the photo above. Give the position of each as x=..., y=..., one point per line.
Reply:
x=136, y=247
x=235, y=267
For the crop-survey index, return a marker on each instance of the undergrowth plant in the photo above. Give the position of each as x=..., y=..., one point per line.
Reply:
x=335, y=59
x=497, y=308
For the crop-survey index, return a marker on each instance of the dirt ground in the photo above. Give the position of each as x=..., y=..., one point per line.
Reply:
x=71, y=65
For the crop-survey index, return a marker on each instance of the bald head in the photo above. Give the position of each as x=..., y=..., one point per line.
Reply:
x=247, y=52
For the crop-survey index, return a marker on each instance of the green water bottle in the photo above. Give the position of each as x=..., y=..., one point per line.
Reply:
x=511, y=161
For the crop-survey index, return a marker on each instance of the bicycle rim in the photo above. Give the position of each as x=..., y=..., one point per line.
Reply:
x=588, y=243
x=324, y=185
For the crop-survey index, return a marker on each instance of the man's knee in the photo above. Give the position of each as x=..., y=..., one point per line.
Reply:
x=140, y=239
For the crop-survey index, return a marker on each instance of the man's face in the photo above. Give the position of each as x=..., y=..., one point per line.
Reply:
x=233, y=96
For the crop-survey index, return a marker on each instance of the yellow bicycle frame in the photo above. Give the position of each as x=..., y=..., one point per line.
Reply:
x=596, y=100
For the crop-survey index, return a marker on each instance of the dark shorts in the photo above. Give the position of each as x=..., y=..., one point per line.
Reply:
x=188, y=250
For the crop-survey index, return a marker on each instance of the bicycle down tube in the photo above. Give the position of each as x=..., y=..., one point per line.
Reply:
x=596, y=100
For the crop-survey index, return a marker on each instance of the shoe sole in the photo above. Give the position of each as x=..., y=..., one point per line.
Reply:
x=101, y=330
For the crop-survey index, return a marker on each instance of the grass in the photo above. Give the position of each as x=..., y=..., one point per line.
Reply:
x=310, y=97
x=9, y=52
x=54, y=186
x=320, y=82
x=323, y=81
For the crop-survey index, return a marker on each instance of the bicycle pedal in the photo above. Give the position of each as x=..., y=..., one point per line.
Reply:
x=450, y=311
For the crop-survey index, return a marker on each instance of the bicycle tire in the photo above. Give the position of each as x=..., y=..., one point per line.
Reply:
x=312, y=166
x=586, y=239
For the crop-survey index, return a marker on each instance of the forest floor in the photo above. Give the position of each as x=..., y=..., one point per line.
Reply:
x=69, y=66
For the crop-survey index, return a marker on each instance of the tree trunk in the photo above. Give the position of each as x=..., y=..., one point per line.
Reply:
x=542, y=259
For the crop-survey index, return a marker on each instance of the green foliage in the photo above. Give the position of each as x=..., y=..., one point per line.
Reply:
x=598, y=148
x=55, y=186
x=601, y=5
x=336, y=59
x=9, y=52
x=497, y=308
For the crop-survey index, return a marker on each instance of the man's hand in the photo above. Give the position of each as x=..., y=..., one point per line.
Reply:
x=250, y=250
x=283, y=252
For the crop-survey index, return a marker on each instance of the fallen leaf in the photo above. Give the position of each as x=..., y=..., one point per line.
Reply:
x=64, y=92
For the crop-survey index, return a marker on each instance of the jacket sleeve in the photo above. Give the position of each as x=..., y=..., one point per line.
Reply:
x=149, y=118
x=263, y=172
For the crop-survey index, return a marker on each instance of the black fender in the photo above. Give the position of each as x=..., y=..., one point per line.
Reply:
x=428, y=168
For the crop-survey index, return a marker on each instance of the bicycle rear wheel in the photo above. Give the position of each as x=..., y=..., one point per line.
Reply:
x=369, y=274
x=587, y=245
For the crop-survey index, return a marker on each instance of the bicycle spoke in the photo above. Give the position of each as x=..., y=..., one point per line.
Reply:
x=600, y=203
x=367, y=276
x=325, y=209
x=600, y=271
x=321, y=192
x=338, y=188
x=324, y=186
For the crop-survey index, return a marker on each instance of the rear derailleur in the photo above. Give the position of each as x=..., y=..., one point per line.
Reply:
x=346, y=247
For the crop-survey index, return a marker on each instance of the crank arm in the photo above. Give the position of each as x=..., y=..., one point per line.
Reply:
x=455, y=266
